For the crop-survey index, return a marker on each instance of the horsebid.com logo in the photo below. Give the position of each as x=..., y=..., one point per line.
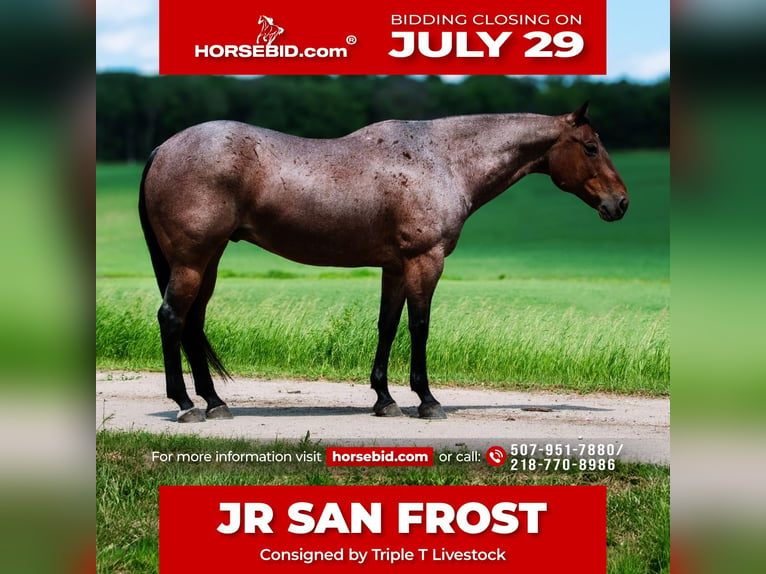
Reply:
x=269, y=30
x=265, y=46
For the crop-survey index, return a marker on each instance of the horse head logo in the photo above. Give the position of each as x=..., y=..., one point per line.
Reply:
x=269, y=30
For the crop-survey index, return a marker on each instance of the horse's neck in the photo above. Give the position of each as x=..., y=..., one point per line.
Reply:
x=496, y=151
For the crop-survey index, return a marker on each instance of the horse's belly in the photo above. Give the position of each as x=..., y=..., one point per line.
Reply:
x=333, y=247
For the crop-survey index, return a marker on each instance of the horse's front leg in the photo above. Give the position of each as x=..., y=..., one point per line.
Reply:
x=391, y=305
x=421, y=276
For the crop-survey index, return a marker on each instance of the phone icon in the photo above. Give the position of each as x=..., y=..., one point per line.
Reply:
x=496, y=455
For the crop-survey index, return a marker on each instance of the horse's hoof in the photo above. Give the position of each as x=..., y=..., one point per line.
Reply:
x=192, y=415
x=431, y=411
x=220, y=412
x=389, y=410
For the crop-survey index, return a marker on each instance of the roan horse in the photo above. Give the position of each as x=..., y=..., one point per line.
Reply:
x=394, y=195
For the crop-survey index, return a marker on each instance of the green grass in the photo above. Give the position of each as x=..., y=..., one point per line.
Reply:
x=127, y=484
x=519, y=333
x=540, y=293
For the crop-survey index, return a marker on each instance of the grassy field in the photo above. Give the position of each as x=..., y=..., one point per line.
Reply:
x=127, y=483
x=540, y=293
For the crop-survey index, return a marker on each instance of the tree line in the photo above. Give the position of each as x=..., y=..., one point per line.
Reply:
x=135, y=113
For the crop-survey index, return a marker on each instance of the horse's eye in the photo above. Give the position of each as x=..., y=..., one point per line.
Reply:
x=590, y=148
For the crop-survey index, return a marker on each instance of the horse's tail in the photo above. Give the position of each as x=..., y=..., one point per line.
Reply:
x=159, y=263
x=194, y=336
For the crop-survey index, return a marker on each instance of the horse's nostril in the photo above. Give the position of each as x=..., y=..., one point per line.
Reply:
x=624, y=203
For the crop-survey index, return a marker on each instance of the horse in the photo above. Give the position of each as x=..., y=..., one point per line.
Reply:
x=269, y=30
x=394, y=195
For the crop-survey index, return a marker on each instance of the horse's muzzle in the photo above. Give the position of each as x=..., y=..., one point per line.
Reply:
x=613, y=209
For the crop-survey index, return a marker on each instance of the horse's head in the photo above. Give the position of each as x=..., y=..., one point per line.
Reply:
x=579, y=164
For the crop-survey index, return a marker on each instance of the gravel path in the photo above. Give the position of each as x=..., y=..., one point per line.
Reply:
x=340, y=413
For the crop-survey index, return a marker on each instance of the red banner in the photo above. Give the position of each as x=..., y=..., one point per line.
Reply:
x=399, y=37
x=382, y=528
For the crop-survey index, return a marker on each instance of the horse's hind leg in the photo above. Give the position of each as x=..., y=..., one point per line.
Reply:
x=197, y=347
x=179, y=296
x=421, y=275
x=391, y=304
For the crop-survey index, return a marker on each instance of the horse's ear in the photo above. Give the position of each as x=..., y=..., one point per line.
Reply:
x=579, y=117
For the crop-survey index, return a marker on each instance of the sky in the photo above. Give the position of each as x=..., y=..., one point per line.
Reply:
x=638, y=37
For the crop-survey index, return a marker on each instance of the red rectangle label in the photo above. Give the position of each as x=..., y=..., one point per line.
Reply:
x=542, y=529
x=379, y=456
x=399, y=37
